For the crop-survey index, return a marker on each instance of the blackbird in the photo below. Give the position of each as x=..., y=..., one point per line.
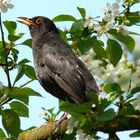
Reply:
x=58, y=70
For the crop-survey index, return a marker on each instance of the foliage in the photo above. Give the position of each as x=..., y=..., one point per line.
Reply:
x=115, y=108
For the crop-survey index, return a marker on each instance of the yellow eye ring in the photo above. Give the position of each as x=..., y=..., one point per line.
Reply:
x=39, y=20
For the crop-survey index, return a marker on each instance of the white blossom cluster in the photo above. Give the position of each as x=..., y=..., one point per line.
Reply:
x=5, y=5
x=108, y=21
x=80, y=135
x=72, y=122
x=123, y=73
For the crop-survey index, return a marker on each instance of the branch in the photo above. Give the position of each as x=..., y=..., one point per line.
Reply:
x=124, y=123
x=113, y=136
x=1, y=64
x=45, y=131
x=6, y=60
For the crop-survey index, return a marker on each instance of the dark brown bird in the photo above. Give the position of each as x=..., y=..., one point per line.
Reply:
x=58, y=70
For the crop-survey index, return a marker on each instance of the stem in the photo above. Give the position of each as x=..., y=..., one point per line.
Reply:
x=6, y=60
x=1, y=64
x=113, y=136
x=26, y=83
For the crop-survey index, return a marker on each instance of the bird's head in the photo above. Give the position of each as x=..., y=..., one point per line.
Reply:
x=39, y=25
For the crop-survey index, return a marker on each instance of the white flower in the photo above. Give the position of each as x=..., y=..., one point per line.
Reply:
x=71, y=124
x=82, y=136
x=43, y=113
x=88, y=137
x=111, y=11
x=88, y=57
x=100, y=29
x=89, y=22
x=5, y=5
x=136, y=103
x=136, y=74
x=122, y=29
x=93, y=105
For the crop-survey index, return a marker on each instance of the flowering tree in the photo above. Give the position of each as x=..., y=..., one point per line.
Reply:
x=108, y=48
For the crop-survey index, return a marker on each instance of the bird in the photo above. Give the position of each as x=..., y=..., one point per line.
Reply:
x=57, y=68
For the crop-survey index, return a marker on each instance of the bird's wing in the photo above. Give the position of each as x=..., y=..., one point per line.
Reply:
x=65, y=71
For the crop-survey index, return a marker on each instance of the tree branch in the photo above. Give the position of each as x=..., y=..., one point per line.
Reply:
x=110, y=127
x=119, y=124
x=45, y=131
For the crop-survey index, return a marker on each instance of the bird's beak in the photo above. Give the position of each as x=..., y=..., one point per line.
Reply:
x=27, y=21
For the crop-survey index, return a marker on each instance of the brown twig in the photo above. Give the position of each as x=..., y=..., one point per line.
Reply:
x=6, y=60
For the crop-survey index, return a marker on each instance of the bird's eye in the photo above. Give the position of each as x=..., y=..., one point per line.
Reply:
x=39, y=20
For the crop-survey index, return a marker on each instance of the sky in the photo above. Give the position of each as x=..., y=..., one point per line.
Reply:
x=50, y=9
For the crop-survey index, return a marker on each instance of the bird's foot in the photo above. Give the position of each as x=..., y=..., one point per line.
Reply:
x=62, y=118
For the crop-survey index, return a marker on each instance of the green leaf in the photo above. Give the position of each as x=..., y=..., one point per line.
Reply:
x=19, y=74
x=112, y=96
x=69, y=136
x=13, y=37
x=23, y=61
x=25, y=91
x=128, y=109
x=94, y=99
x=14, y=53
x=75, y=109
x=98, y=48
x=25, y=69
x=10, y=26
x=135, y=134
x=77, y=29
x=20, y=108
x=11, y=122
x=86, y=44
x=63, y=35
x=128, y=41
x=103, y=104
x=134, y=91
x=20, y=97
x=106, y=116
x=111, y=87
x=21, y=69
x=82, y=12
x=2, y=134
x=29, y=72
x=114, y=51
x=113, y=91
x=64, y=18
x=23, y=94
x=2, y=53
x=133, y=18
x=27, y=42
